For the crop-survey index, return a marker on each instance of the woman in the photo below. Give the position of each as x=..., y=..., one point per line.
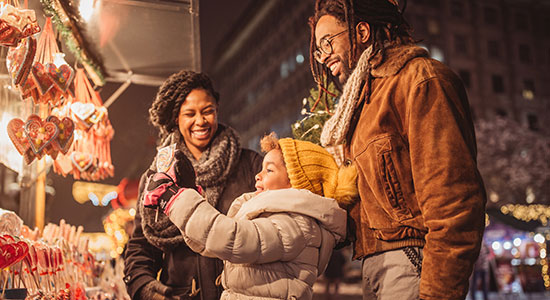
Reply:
x=186, y=113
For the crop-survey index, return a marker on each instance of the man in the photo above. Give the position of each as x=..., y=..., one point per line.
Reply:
x=404, y=121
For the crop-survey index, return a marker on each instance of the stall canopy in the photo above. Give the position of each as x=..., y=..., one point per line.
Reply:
x=137, y=40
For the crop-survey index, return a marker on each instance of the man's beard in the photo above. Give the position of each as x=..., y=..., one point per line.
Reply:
x=346, y=71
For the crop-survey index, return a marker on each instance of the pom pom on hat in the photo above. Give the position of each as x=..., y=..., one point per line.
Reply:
x=310, y=167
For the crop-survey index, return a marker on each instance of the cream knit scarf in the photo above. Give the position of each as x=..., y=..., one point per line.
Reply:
x=336, y=128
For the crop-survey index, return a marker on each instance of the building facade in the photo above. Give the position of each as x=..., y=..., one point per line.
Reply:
x=500, y=48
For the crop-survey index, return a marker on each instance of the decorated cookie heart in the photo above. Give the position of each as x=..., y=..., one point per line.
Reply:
x=41, y=78
x=61, y=77
x=66, y=133
x=19, y=60
x=82, y=161
x=16, y=132
x=98, y=115
x=40, y=134
x=82, y=110
x=9, y=35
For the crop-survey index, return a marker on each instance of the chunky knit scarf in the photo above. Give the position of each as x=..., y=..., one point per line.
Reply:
x=336, y=128
x=212, y=171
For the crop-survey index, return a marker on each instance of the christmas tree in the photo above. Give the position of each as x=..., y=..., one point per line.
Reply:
x=316, y=111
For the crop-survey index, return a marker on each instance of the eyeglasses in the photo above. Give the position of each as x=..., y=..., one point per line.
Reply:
x=325, y=46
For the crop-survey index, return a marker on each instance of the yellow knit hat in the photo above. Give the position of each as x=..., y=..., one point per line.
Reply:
x=310, y=167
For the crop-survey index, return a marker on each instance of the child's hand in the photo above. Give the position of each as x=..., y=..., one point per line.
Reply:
x=160, y=188
x=163, y=187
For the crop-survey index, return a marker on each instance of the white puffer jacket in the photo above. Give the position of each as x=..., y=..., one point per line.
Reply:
x=274, y=244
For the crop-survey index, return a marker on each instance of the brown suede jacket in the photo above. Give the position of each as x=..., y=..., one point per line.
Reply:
x=415, y=149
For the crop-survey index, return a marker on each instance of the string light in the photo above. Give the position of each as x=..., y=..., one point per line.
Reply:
x=114, y=226
x=544, y=263
x=526, y=213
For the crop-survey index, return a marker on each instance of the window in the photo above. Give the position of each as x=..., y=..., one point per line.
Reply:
x=524, y=53
x=461, y=45
x=490, y=15
x=493, y=49
x=532, y=122
x=465, y=76
x=457, y=9
x=528, y=91
x=498, y=84
x=521, y=21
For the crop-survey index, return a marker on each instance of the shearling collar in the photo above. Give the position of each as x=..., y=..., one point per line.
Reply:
x=394, y=59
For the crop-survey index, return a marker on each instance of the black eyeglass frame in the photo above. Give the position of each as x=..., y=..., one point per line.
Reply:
x=325, y=46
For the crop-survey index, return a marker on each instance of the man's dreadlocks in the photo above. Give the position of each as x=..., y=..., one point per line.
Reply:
x=384, y=17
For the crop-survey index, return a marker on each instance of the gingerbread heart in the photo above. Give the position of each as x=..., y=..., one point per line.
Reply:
x=16, y=132
x=66, y=133
x=9, y=35
x=98, y=114
x=19, y=60
x=83, y=110
x=40, y=133
x=41, y=78
x=82, y=161
x=61, y=77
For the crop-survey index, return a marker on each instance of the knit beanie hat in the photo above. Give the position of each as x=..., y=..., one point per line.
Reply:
x=310, y=166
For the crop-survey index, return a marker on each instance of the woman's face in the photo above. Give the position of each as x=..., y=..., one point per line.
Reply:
x=198, y=120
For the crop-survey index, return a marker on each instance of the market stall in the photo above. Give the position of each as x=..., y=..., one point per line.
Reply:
x=56, y=57
x=517, y=237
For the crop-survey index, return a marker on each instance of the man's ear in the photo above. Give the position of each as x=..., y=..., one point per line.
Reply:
x=363, y=32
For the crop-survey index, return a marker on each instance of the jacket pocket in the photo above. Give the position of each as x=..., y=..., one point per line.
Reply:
x=389, y=179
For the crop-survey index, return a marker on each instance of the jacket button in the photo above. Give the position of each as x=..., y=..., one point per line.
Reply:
x=347, y=162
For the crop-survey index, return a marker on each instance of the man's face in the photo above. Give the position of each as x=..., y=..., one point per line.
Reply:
x=273, y=175
x=338, y=60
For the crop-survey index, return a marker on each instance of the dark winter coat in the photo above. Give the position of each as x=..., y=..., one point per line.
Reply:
x=181, y=266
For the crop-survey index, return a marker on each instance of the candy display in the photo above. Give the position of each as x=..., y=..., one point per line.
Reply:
x=53, y=264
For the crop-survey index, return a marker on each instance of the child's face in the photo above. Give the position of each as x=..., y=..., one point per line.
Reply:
x=273, y=175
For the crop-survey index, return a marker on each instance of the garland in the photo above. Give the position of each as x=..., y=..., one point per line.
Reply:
x=68, y=24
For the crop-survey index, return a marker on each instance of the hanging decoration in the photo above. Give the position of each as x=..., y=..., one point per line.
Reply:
x=16, y=23
x=51, y=75
x=72, y=124
x=90, y=157
x=70, y=27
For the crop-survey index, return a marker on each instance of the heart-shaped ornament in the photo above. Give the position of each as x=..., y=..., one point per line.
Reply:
x=40, y=133
x=41, y=78
x=82, y=161
x=98, y=114
x=82, y=110
x=19, y=60
x=61, y=77
x=66, y=133
x=7, y=255
x=16, y=132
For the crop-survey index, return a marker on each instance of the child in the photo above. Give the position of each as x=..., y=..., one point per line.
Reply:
x=276, y=241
